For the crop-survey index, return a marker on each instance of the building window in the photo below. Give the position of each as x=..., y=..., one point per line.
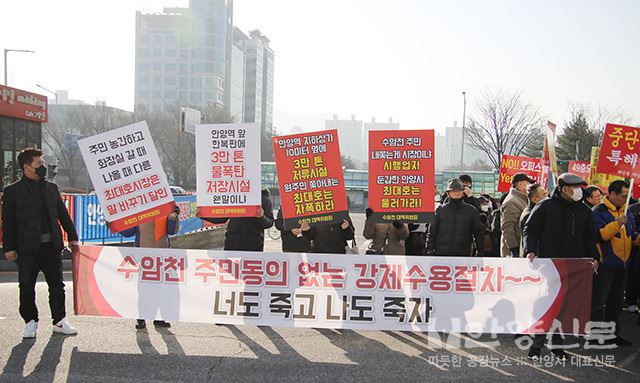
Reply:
x=157, y=81
x=157, y=94
x=143, y=80
x=209, y=83
x=196, y=82
x=196, y=97
x=170, y=52
x=170, y=94
x=142, y=94
x=142, y=52
x=169, y=81
x=143, y=66
x=157, y=52
x=144, y=38
x=170, y=67
x=184, y=68
x=183, y=82
x=157, y=38
x=157, y=67
x=170, y=38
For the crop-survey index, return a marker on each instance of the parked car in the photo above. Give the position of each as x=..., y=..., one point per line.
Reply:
x=177, y=190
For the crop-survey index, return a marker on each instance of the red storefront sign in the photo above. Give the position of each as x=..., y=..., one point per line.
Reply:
x=23, y=105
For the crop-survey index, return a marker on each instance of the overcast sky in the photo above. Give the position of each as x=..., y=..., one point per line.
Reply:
x=406, y=59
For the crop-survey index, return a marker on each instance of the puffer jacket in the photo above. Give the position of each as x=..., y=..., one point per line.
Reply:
x=614, y=242
x=453, y=230
x=329, y=238
x=558, y=228
x=511, y=210
x=386, y=237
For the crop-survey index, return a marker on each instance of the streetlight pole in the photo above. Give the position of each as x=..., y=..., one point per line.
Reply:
x=5, y=61
x=464, y=112
x=50, y=91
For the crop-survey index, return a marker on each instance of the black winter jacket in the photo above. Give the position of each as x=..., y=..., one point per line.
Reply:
x=247, y=233
x=455, y=226
x=558, y=228
x=21, y=216
x=329, y=238
x=291, y=243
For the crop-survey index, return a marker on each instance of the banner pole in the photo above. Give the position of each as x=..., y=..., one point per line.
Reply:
x=628, y=196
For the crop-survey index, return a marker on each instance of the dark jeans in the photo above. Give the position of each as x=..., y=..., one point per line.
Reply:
x=49, y=261
x=608, y=291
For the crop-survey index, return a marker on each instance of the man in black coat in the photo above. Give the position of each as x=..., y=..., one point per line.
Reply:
x=560, y=227
x=32, y=212
x=292, y=239
x=456, y=225
x=247, y=233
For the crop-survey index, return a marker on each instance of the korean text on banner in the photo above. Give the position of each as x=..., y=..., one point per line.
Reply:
x=127, y=176
x=581, y=168
x=310, y=178
x=228, y=170
x=512, y=165
x=619, y=152
x=401, y=175
x=450, y=294
x=599, y=179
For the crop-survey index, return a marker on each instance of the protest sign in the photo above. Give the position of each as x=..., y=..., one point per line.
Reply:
x=512, y=165
x=127, y=176
x=228, y=170
x=450, y=294
x=401, y=175
x=310, y=177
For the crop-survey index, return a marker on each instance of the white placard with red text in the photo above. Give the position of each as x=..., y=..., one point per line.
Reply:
x=452, y=294
x=127, y=176
x=228, y=170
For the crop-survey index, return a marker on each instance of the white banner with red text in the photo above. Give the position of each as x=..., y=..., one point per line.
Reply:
x=449, y=294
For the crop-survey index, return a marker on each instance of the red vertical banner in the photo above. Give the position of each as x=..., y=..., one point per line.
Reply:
x=401, y=175
x=310, y=178
x=619, y=151
x=512, y=165
x=581, y=168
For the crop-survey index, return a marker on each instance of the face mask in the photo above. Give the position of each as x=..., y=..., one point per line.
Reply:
x=437, y=197
x=577, y=194
x=41, y=172
x=485, y=208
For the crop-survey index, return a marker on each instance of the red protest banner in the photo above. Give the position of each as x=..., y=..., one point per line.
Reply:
x=310, y=178
x=401, y=175
x=619, y=151
x=581, y=168
x=512, y=165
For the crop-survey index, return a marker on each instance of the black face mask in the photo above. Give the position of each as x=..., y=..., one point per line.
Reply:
x=41, y=172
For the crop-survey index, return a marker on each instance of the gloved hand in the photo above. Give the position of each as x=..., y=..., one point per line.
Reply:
x=397, y=224
x=368, y=211
x=515, y=252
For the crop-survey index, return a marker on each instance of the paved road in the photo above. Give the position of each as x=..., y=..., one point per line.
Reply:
x=111, y=350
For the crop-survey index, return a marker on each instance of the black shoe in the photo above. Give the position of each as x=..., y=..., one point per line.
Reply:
x=534, y=353
x=141, y=324
x=161, y=323
x=559, y=354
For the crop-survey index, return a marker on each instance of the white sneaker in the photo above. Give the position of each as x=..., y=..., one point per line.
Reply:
x=30, y=330
x=64, y=327
x=632, y=309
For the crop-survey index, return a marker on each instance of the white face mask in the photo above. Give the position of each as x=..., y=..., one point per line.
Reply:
x=577, y=194
x=485, y=208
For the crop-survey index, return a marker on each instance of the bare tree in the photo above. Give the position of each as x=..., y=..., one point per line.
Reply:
x=503, y=124
x=597, y=117
x=176, y=149
x=68, y=123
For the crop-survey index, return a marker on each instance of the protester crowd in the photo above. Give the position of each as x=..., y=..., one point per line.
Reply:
x=574, y=221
